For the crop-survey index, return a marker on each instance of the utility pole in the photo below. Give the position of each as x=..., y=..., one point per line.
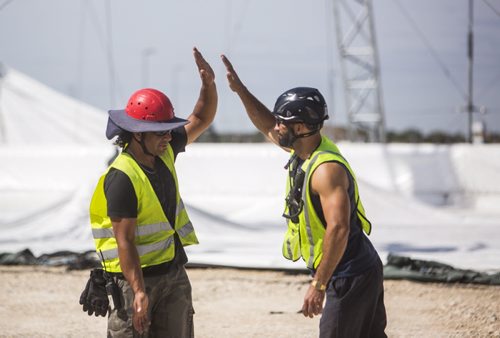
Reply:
x=359, y=62
x=470, y=108
x=470, y=55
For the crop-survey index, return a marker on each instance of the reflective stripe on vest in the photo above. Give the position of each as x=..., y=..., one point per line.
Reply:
x=310, y=226
x=144, y=230
x=307, y=210
x=141, y=249
x=185, y=229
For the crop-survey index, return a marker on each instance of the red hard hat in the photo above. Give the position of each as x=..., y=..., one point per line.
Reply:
x=150, y=105
x=147, y=110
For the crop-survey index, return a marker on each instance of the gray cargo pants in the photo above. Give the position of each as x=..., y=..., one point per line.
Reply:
x=170, y=307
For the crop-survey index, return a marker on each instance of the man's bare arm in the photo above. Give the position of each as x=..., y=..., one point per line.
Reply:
x=330, y=182
x=124, y=230
x=258, y=113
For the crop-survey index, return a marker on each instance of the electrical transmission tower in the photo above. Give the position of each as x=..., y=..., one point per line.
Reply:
x=360, y=68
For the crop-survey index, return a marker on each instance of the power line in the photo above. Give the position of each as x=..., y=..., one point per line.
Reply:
x=433, y=52
x=496, y=79
x=492, y=8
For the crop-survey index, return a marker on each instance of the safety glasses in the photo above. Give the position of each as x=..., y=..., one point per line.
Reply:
x=279, y=122
x=161, y=133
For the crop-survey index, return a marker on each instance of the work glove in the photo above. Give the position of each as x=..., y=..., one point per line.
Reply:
x=94, y=297
x=83, y=299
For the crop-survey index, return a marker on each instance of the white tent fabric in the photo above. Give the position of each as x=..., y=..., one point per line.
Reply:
x=425, y=201
x=52, y=150
x=34, y=114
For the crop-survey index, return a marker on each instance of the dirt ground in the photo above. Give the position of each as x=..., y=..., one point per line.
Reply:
x=43, y=302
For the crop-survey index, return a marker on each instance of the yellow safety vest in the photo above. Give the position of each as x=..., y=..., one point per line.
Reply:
x=305, y=238
x=154, y=234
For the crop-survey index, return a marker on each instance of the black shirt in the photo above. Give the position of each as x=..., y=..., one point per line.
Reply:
x=122, y=200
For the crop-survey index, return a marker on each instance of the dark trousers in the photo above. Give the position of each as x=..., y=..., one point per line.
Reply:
x=355, y=306
x=170, y=307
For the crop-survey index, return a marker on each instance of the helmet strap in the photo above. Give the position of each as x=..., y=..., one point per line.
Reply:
x=306, y=134
x=143, y=145
x=291, y=137
x=290, y=140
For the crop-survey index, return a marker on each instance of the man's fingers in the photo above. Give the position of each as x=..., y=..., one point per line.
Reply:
x=309, y=309
x=199, y=59
x=197, y=53
x=231, y=75
x=305, y=310
x=138, y=324
x=317, y=310
x=141, y=323
x=206, y=73
x=227, y=63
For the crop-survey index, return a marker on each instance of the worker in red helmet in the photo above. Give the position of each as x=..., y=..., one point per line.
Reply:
x=139, y=222
x=326, y=221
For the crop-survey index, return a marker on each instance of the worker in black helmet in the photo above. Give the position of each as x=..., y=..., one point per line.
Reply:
x=326, y=220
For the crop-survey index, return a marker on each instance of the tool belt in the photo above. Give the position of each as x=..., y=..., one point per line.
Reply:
x=149, y=271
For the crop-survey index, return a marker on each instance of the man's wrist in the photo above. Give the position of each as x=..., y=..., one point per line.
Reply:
x=318, y=285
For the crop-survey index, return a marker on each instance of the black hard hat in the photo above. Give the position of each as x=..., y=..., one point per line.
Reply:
x=301, y=104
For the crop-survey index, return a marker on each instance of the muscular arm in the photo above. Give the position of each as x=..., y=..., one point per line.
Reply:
x=258, y=113
x=331, y=183
x=206, y=106
x=124, y=230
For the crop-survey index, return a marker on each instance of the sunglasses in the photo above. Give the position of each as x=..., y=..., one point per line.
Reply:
x=161, y=133
x=286, y=123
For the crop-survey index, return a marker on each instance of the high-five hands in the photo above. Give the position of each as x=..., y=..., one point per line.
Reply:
x=234, y=81
x=207, y=74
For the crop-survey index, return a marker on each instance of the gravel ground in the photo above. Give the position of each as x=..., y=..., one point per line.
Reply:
x=43, y=302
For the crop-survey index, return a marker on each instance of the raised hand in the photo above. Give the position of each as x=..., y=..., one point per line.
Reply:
x=234, y=81
x=207, y=74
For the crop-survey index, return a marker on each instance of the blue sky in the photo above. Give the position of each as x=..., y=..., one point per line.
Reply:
x=274, y=45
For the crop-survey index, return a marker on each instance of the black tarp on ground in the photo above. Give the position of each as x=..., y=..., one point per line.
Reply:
x=397, y=267
x=73, y=260
x=401, y=267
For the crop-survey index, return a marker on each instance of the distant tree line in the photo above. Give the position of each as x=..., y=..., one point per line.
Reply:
x=438, y=136
x=410, y=135
x=341, y=134
x=416, y=136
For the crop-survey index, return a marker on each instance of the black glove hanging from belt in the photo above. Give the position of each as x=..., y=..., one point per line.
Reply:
x=94, y=297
